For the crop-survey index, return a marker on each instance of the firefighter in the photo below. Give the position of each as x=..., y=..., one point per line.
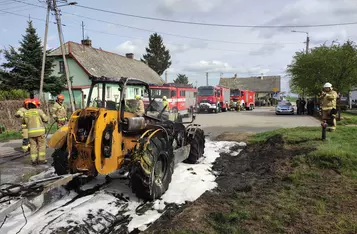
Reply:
x=20, y=114
x=328, y=105
x=140, y=109
x=165, y=103
x=59, y=111
x=35, y=119
x=238, y=105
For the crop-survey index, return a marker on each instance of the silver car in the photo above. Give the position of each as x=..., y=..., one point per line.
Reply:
x=284, y=108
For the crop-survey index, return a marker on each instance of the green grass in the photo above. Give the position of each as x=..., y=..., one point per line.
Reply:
x=314, y=193
x=348, y=119
x=10, y=135
x=15, y=135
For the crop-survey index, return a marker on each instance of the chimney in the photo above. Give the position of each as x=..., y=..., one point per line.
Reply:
x=235, y=76
x=87, y=42
x=129, y=55
x=261, y=76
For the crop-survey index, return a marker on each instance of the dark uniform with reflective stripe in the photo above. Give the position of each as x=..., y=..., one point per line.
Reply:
x=34, y=119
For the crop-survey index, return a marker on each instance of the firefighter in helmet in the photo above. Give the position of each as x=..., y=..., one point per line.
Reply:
x=328, y=100
x=34, y=119
x=165, y=103
x=20, y=114
x=59, y=111
x=140, y=105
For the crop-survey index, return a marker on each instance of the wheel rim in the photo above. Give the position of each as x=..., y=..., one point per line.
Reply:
x=160, y=169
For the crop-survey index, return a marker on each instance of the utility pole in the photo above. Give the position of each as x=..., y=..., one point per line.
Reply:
x=82, y=30
x=59, y=27
x=307, y=43
x=45, y=48
x=165, y=76
x=206, y=78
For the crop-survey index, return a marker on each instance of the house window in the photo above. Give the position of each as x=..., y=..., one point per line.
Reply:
x=109, y=93
x=182, y=93
x=136, y=91
x=61, y=67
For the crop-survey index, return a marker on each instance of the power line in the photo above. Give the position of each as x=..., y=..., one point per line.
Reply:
x=215, y=24
x=164, y=33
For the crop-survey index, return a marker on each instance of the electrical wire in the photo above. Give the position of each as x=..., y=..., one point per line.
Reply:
x=3, y=222
x=23, y=213
x=163, y=33
x=214, y=24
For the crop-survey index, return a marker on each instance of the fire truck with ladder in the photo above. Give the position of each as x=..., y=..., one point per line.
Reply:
x=179, y=96
x=213, y=98
x=246, y=97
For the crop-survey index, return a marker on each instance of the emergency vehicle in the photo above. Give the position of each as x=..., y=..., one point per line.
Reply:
x=180, y=97
x=246, y=97
x=213, y=98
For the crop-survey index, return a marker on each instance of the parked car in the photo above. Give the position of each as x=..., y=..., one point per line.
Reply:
x=284, y=108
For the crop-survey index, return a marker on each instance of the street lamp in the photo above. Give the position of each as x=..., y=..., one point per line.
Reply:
x=69, y=4
x=307, y=50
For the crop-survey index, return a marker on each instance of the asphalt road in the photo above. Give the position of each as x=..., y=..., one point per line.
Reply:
x=258, y=120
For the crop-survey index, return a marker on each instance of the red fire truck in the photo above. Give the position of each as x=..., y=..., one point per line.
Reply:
x=246, y=97
x=180, y=97
x=213, y=98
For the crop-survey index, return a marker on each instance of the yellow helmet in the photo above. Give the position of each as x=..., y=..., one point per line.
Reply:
x=164, y=98
x=137, y=97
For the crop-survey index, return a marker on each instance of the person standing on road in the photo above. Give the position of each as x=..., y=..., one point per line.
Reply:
x=140, y=106
x=302, y=105
x=59, y=111
x=298, y=109
x=20, y=114
x=35, y=119
x=165, y=103
x=328, y=106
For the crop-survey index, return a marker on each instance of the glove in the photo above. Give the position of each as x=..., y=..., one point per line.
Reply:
x=56, y=119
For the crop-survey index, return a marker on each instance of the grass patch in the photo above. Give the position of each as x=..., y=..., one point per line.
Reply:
x=348, y=119
x=10, y=135
x=312, y=192
x=14, y=135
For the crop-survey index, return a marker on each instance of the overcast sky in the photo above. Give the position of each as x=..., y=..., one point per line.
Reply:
x=245, y=51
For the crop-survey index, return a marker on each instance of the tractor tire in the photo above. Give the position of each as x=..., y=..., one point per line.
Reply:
x=60, y=161
x=197, y=147
x=153, y=182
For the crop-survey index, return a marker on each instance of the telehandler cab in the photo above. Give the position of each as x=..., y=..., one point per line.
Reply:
x=110, y=135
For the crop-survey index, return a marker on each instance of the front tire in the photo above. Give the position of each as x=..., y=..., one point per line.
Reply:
x=151, y=174
x=197, y=147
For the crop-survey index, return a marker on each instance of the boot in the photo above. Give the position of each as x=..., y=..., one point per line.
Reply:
x=42, y=162
x=34, y=163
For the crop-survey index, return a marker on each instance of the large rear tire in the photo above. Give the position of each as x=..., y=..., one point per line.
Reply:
x=60, y=161
x=151, y=174
x=197, y=147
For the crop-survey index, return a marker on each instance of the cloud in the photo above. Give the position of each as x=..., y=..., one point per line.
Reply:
x=137, y=47
x=168, y=7
x=266, y=50
x=219, y=66
x=307, y=12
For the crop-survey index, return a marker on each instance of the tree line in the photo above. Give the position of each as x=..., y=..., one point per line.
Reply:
x=335, y=63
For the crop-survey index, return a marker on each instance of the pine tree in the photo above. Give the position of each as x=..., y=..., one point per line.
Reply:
x=23, y=66
x=181, y=79
x=157, y=56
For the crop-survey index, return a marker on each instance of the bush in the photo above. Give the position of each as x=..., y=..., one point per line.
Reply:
x=14, y=94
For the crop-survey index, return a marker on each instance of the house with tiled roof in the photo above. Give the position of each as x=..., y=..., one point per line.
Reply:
x=85, y=62
x=264, y=86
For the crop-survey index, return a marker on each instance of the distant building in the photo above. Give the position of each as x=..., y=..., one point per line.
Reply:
x=264, y=86
x=85, y=62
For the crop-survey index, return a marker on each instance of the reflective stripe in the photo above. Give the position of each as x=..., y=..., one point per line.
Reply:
x=42, y=153
x=23, y=125
x=36, y=130
x=62, y=119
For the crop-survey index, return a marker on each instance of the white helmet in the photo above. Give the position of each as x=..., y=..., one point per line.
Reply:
x=327, y=85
